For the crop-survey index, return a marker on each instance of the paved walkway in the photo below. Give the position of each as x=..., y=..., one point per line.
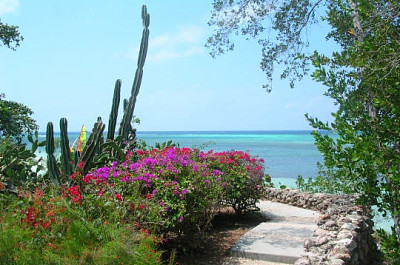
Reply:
x=277, y=242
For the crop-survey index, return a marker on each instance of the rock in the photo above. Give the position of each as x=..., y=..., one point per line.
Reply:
x=346, y=234
x=321, y=232
x=341, y=252
x=325, y=216
x=345, y=257
x=349, y=226
x=336, y=262
x=302, y=261
x=308, y=243
x=321, y=240
x=350, y=244
x=330, y=223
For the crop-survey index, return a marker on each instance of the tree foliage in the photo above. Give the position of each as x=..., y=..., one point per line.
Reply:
x=362, y=78
x=10, y=36
x=280, y=28
x=15, y=120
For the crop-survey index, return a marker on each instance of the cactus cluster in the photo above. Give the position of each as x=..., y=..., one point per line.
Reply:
x=95, y=145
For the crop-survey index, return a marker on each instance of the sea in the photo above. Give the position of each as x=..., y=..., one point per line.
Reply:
x=287, y=154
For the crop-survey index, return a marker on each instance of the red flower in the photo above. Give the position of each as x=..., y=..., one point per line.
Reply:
x=100, y=193
x=75, y=193
x=149, y=196
x=81, y=164
x=141, y=207
x=118, y=197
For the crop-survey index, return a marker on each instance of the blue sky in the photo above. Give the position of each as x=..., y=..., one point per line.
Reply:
x=73, y=51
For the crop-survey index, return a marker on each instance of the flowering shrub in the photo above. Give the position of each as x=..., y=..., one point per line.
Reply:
x=172, y=189
x=104, y=217
x=245, y=178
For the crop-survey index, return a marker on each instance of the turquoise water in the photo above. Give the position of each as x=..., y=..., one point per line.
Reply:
x=287, y=154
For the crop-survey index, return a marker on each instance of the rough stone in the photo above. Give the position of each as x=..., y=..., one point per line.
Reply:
x=348, y=243
x=330, y=223
x=349, y=226
x=302, y=261
x=321, y=232
x=336, y=262
x=344, y=234
x=321, y=240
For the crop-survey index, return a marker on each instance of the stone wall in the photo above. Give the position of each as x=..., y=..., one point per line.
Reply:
x=344, y=234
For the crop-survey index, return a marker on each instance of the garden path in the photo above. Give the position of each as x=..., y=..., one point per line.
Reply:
x=278, y=241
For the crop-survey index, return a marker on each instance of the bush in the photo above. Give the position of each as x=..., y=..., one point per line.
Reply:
x=44, y=228
x=171, y=190
x=245, y=177
x=19, y=165
x=390, y=245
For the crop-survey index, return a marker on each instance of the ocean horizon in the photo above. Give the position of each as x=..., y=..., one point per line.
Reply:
x=287, y=153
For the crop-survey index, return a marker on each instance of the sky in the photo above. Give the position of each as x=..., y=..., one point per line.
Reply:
x=74, y=51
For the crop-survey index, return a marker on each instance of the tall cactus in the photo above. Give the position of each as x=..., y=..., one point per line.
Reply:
x=112, y=122
x=65, y=152
x=92, y=146
x=95, y=143
x=125, y=128
x=52, y=168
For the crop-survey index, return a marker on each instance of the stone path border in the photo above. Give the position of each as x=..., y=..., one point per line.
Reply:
x=344, y=230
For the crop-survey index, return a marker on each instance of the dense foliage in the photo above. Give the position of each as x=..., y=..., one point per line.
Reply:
x=15, y=120
x=17, y=163
x=362, y=79
x=42, y=227
x=125, y=211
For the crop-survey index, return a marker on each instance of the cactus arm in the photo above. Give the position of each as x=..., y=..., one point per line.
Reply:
x=114, y=110
x=125, y=128
x=65, y=151
x=92, y=145
x=52, y=168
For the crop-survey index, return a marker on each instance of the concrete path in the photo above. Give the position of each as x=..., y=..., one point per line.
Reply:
x=279, y=241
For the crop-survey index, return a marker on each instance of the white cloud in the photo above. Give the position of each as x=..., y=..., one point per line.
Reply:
x=185, y=42
x=8, y=6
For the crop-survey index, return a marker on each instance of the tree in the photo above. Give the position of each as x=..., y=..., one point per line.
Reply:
x=364, y=81
x=10, y=36
x=363, y=78
x=15, y=120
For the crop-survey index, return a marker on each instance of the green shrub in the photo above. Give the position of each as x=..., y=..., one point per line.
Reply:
x=19, y=165
x=390, y=246
x=45, y=228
